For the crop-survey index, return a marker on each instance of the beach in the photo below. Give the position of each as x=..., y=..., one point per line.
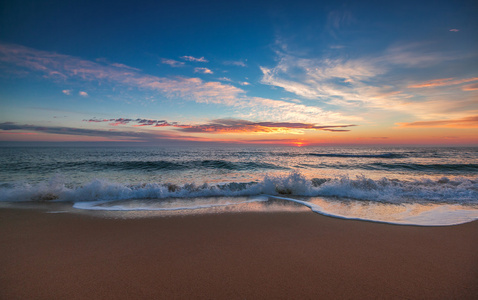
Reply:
x=300, y=255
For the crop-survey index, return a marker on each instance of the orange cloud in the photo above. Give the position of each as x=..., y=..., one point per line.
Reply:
x=470, y=87
x=442, y=82
x=467, y=122
x=20, y=133
x=229, y=126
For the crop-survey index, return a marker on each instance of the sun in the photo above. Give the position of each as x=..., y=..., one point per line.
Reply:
x=298, y=144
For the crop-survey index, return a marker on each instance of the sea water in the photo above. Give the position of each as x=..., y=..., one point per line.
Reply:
x=401, y=185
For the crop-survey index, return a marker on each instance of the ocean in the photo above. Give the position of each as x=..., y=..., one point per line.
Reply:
x=426, y=186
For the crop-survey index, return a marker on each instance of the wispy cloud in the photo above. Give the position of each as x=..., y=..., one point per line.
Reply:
x=7, y=126
x=442, y=82
x=18, y=133
x=123, y=66
x=237, y=63
x=83, y=94
x=414, y=55
x=337, y=20
x=454, y=30
x=467, y=122
x=171, y=62
x=203, y=70
x=66, y=92
x=65, y=68
x=324, y=79
x=470, y=87
x=292, y=112
x=195, y=59
x=116, y=134
x=229, y=126
x=365, y=82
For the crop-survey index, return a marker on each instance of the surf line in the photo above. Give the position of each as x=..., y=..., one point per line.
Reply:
x=93, y=205
x=313, y=207
x=321, y=211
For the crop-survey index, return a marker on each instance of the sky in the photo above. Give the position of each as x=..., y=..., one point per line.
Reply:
x=248, y=72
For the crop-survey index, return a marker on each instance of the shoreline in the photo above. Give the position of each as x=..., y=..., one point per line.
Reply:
x=250, y=255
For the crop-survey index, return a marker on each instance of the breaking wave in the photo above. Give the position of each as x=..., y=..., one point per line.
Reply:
x=445, y=190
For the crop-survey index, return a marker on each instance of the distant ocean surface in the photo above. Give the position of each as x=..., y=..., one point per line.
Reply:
x=401, y=185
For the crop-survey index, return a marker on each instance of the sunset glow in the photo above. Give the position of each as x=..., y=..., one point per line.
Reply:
x=242, y=73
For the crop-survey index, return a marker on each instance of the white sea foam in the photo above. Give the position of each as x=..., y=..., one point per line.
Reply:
x=403, y=214
x=444, y=190
x=424, y=202
x=162, y=206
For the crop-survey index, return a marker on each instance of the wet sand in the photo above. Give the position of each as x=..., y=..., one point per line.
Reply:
x=232, y=256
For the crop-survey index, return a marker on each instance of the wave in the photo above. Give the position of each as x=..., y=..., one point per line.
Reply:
x=405, y=167
x=457, y=190
x=146, y=165
x=424, y=167
x=383, y=155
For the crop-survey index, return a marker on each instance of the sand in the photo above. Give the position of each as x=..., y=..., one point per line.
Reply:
x=232, y=256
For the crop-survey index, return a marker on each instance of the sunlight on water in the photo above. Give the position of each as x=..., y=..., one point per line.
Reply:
x=403, y=214
x=407, y=213
x=194, y=206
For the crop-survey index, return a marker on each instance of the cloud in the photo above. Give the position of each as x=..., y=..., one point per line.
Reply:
x=97, y=120
x=237, y=63
x=203, y=70
x=466, y=122
x=454, y=30
x=470, y=87
x=73, y=131
x=414, y=55
x=338, y=20
x=171, y=62
x=122, y=66
x=121, y=121
x=244, y=126
x=19, y=133
x=442, y=82
x=337, y=47
x=292, y=112
x=66, y=92
x=324, y=79
x=125, y=121
x=230, y=80
x=195, y=59
x=64, y=68
x=127, y=135
x=229, y=126
x=83, y=94
x=360, y=82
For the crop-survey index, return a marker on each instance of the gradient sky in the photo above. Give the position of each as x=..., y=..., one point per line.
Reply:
x=261, y=72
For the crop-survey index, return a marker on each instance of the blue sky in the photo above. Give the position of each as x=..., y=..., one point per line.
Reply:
x=271, y=72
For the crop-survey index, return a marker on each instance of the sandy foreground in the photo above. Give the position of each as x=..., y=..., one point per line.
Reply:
x=232, y=256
